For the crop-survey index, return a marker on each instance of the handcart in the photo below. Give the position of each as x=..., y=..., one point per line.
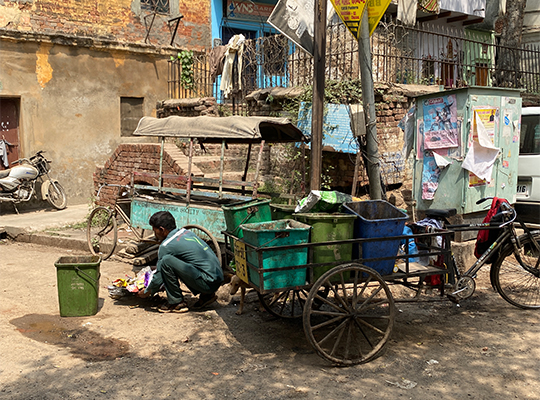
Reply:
x=348, y=312
x=198, y=200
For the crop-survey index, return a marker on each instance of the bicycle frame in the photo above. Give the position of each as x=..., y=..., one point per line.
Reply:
x=508, y=235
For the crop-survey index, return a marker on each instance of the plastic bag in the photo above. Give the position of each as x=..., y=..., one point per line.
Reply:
x=323, y=201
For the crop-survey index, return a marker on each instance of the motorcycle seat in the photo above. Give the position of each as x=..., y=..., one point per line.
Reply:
x=4, y=173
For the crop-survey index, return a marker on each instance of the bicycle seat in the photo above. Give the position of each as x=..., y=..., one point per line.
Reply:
x=442, y=213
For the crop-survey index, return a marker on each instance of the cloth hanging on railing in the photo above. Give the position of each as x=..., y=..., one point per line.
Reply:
x=406, y=12
x=430, y=6
x=217, y=60
x=3, y=151
x=235, y=48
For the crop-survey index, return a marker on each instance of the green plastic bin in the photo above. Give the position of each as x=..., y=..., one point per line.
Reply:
x=246, y=212
x=325, y=228
x=277, y=233
x=78, y=285
x=282, y=211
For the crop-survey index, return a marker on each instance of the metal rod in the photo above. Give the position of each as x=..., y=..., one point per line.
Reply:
x=221, y=163
x=190, y=162
x=160, y=182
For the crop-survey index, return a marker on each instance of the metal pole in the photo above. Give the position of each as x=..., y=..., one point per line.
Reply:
x=317, y=111
x=368, y=100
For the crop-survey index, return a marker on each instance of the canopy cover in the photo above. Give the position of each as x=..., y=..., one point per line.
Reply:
x=215, y=129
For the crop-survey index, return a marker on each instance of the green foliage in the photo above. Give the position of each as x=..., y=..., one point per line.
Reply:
x=185, y=58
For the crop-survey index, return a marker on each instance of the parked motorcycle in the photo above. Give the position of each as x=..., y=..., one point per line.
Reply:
x=18, y=184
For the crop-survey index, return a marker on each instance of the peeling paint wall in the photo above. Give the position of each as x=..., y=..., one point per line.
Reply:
x=70, y=103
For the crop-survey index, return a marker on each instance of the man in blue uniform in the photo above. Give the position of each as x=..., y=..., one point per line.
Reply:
x=183, y=256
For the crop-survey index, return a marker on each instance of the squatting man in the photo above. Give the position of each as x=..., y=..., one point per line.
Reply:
x=183, y=256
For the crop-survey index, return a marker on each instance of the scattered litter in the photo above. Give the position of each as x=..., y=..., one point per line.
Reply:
x=485, y=348
x=431, y=362
x=87, y=323
x=404, y=384
x=123, y=286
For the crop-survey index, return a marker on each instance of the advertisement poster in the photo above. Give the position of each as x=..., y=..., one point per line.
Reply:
x=485, y=121
x=440, y=123
x=430, y=176
x=295, y=19
x=489, y=116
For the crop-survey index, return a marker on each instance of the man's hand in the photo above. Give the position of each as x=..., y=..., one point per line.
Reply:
x=142, y=294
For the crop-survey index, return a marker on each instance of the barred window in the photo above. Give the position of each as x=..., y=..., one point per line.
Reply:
x=159, y=6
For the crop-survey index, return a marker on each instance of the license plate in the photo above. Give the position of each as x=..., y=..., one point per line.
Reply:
x=523, y=189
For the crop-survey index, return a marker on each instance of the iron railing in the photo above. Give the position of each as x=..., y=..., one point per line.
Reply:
x=429, y=55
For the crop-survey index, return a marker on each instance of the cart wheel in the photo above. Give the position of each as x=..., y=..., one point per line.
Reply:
x=287, y=304
x=354, y=322
x=208, y=238
x=101, y=232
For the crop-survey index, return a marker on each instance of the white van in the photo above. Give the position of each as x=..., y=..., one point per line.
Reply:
x=528, y=188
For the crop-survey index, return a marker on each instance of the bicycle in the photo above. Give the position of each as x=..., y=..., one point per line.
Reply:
x=102, y=227
x=515, y=258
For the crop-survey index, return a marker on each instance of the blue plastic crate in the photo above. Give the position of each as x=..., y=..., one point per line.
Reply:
x=377, y=219
x=277, y=233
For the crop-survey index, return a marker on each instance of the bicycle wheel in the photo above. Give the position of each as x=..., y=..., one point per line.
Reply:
x=208, y=238
x=102, y=232
x=354, y=322
x=519, y=285
x=56, y=196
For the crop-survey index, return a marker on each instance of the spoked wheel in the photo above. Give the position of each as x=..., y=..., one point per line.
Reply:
x=519, y=283
x=208, y=238
x=288, y=304
x=354, y=322
x=56, y=196
x=102, y=232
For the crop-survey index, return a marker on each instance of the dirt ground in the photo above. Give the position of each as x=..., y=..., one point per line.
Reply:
x=484, y=349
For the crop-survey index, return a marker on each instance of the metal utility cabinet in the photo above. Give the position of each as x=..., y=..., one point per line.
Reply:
x=449, y=125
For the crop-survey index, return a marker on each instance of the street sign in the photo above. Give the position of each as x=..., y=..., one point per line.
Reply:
x=350, y=12
x=376, y=9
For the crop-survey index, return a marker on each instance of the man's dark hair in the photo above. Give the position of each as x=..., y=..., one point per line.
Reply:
x=163, y=219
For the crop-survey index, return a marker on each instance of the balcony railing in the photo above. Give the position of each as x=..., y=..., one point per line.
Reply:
x=427, y=55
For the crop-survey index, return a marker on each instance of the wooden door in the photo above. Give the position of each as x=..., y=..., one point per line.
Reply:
x=9, y=130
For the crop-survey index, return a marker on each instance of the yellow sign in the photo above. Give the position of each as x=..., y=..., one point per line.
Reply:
x=240, y=260
x=350, y=12
x=376, y=9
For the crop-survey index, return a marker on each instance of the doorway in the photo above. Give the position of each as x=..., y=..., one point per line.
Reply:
x=9, y=131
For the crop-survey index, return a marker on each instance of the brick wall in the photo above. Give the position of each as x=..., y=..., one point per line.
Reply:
x=188, y=107
x=113, y=20
x=127, y=158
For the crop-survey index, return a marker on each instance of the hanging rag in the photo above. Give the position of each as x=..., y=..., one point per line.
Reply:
x=430, y=6
x=406, y=12
x=216, y=61
x=3, y=151
x=486, y=237
x=235, y=48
